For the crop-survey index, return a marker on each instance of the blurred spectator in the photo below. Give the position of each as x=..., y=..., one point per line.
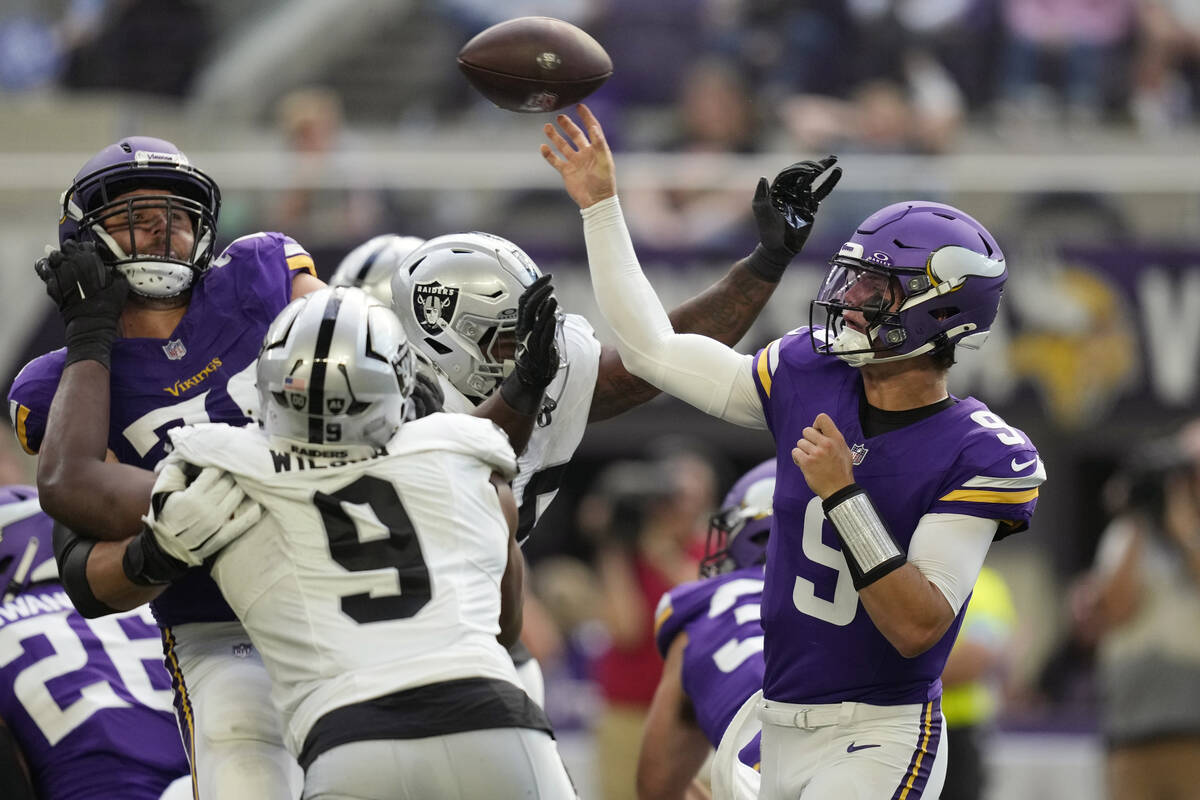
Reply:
x=715, y=114
x=1168, y=55
x=958, y=35
x=1141, y=604
x=31, y=52
x=569, y=594
x=971, y=683
x=647, y=518
x=652, y=44
x=312, y=126
x=918, y=111
x=1082, y=37
x=788, y=47
x=148, y=46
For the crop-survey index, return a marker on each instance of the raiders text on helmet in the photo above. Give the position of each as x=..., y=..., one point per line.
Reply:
x=100, y=194
x=335, y=372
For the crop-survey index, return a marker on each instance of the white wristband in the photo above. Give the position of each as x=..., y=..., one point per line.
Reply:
x=868, y=545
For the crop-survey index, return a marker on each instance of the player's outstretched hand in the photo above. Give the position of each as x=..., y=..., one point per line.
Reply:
x=582, y=159
x=537, y=328
x=196, y=513
x=785, y=210
x=89, y=295
x=537, y=355
x=823, y=457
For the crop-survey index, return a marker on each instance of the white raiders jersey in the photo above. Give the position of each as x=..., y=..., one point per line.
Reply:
x=540, y=468
x=365, y=578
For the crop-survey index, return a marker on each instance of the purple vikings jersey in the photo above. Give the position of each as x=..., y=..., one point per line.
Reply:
x=723, y=658
x=203, y=373
x=962, y=460
x=88, y=701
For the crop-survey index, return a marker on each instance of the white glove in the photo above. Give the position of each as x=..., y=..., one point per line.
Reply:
x=194, y=518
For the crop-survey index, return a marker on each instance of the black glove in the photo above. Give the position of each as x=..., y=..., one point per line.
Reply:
x=537, y=352
x=146, y=564
x=89, y=294
x=427, y=396
x=784, y=213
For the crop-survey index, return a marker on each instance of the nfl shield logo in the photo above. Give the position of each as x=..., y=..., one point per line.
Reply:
x=857, y=454
x=243, y=650
x=175, y=349
x=434, y=306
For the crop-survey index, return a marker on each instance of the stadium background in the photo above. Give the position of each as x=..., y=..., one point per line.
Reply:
x=337, y=121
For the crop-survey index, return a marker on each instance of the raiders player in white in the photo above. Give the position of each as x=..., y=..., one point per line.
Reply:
x=384, y=572
x=457, y=297
x=370, y=266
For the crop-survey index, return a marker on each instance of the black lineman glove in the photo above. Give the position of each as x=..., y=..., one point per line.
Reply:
x=427, y=397
x=146, y=564
x=784, y=212
x=537, y=352
x=89, y=294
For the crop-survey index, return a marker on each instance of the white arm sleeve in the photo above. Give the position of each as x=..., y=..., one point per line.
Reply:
x=949, y=550
x=698, y=370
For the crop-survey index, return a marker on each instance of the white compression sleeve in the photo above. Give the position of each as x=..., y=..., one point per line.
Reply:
x=949, y=550
x=698, y=370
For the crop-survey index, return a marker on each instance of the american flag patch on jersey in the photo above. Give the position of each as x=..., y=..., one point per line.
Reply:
x=294, y=384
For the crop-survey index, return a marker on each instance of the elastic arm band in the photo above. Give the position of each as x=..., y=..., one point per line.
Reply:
x=71, y=553
x=869, y=547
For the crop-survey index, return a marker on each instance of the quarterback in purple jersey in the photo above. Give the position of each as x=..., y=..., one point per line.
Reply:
x=889, y=489
x=160, y=331
x=709, y=635
x=88, y=702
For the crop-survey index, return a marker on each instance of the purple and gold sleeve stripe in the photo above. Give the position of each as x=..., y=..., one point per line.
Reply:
x=765, y=364
x=298, y=258
x=20, y=420
x=663, y=612
x=986, y=496
x=912, y=786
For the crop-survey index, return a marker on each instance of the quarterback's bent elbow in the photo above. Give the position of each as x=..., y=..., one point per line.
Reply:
x=916, y=639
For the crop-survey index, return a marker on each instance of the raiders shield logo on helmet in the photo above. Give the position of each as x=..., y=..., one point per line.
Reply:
x=434, y=306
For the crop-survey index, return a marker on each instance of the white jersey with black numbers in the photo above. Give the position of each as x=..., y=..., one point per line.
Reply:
x=366, y=577
x=559, y=429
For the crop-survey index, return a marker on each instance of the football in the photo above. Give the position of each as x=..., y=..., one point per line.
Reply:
x=534, y=64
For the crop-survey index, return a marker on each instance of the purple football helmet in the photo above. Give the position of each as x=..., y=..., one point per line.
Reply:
x=737, y=534
x=914, y=277
x=26, y=549
x=142, y=162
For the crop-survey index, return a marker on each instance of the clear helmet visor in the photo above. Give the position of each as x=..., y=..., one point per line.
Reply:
x=861, y=305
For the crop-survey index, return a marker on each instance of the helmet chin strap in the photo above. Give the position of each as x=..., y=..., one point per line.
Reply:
x=849, y=340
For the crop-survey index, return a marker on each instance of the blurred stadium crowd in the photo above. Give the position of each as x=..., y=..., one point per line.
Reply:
x=1099, y=342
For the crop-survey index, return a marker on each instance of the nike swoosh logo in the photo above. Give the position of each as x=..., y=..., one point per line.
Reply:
x=1020, y=465
x=853, y=749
